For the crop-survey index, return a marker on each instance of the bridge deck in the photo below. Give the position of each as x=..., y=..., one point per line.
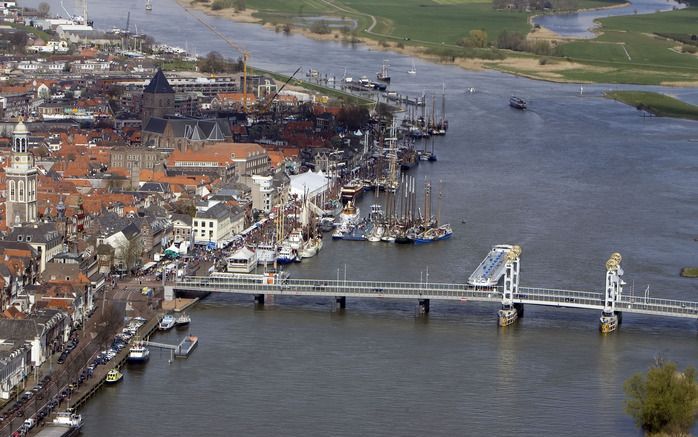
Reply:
x=437, y=291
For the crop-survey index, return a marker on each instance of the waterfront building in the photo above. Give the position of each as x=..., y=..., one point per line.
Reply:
x=217, y=225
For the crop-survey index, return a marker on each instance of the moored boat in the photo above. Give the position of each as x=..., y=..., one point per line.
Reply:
x=166, y=323
x=182, y=320
x=266, y=253
x=68, y=419
x=311, y=247
x=138, y=353
x=286, y=255
x=383, y=74
x=186, y=346
x=113, y=376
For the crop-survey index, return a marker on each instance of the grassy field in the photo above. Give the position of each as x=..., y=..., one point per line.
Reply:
x=626, y=51
x=658, y=104
x=689, y=272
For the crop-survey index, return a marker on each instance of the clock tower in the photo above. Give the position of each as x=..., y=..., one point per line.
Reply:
x=21, y=177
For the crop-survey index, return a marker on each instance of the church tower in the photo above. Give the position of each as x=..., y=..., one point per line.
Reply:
x=21, y=177
x=158, y=98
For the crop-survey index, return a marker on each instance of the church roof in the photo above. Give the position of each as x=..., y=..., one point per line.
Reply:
x=159, y=85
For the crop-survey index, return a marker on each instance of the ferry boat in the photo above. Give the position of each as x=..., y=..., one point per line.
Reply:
x=517, y=103
x=68, y=420
x=507, y=315
x=182, y=321
x=113, y=376
x=166, y=323
x=186, y=346
x=608, y=322
x=138, y=353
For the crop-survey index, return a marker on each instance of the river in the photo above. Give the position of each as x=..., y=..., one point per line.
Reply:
x=582, y=24
x=572, y=180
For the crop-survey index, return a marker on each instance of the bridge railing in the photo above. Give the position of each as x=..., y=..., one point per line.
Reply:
x=656, y=305
x=544, y=296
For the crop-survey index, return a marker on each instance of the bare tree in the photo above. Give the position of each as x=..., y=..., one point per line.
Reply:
x=44, y=9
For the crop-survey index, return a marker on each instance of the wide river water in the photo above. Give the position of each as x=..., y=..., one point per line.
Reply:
x=572, y=180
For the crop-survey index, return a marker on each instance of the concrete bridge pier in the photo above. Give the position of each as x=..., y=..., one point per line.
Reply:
x=340, y=303
x=423, y=307
x=259, y=299
x=519, y=307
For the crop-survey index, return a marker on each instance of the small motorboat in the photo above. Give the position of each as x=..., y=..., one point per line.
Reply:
x=517, y=103
x=166, y=323
x=182, y=320
x=113, y=376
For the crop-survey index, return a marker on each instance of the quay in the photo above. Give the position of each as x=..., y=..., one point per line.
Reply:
x=611, y=302
x=92, y=385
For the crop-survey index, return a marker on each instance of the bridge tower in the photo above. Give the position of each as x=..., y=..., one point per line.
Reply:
x=610, y=318
x=511, y=311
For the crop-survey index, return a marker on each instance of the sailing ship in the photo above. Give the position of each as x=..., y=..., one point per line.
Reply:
x=148, y=5
x=383, y=74
x=412, y=70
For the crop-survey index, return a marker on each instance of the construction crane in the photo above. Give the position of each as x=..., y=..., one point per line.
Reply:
x=245, y=55
x=271, y=100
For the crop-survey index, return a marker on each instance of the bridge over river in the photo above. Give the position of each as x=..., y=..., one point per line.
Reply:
x=611, y=303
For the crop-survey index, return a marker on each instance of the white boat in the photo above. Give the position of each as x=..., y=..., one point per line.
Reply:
x=138, y=353
x=286, y=255
x=182, y=320
x=376, y=233
x=412, y=70
x=349, y=215
x=167, y=322
x=69, y=420
x=311, y=247
x=295, y=240
x=148, y=5
x=266, y=253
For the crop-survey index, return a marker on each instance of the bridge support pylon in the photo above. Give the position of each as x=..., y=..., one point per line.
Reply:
x=423, y=307
x=510, y=311
x=340, y=303
x=610, y=318
x=259, y=299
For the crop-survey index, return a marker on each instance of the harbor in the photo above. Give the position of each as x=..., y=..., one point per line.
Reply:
x=541, y=178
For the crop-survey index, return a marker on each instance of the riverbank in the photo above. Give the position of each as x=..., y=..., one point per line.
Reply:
x=657, y=104
x=604, y=59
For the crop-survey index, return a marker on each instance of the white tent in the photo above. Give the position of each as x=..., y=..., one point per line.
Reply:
x=309, y=183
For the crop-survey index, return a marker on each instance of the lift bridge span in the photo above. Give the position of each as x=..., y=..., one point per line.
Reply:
x=611, y=303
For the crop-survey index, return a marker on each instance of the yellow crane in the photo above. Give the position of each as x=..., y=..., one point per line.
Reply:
x=245, y=55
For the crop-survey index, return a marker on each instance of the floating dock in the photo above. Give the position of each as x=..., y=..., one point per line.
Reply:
x=491, y=269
